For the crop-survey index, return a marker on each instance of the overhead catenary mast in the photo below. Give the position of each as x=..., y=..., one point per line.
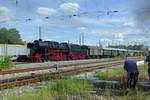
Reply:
x=79, y=39
x=83, y=39
x=16, y=3
x=40, y=34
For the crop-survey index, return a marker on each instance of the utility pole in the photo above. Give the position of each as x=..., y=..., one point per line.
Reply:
x=16, y=3
x=40, y=33
x=80, y=39
x=100, y=45
x=83, y=39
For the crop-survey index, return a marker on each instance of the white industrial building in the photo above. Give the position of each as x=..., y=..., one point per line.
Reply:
x=13, y=50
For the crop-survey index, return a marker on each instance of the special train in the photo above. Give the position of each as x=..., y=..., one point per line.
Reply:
x=41, y=51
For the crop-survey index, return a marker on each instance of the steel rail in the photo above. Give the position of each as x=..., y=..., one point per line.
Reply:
x=54, y=75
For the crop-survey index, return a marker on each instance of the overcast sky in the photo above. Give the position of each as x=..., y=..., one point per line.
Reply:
x=110, y=21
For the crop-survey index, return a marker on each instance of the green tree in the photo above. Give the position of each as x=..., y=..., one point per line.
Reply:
x=130, y=47
x=3, y=32
x=10, y=36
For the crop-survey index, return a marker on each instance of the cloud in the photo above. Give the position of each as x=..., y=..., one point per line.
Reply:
x=85, y=20
x=5, y=14
x=142, y=14
x=5, y=18
x=69, y=8
x=129, y=24
x=83, y=29
x=66, y=0
x=3, y=10
x=119, y=36
x=65, y=8
x=46, y=11
x=109, y=32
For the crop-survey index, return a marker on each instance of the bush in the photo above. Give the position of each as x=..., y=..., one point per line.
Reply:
x=5, y=63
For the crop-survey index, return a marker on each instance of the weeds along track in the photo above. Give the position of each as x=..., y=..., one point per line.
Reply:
x=62, y=71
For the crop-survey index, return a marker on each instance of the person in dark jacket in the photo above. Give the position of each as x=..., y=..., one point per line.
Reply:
x=132, y=73
x=148, y=63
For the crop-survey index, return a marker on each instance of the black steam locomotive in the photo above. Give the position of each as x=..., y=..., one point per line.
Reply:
x=51, y=50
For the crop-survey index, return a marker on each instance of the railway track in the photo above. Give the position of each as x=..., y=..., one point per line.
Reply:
x=34, y=68
x=106, y=59
x=47, y=67
x=33, y=78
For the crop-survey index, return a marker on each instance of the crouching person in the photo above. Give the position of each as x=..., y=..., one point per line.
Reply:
x=131, y=68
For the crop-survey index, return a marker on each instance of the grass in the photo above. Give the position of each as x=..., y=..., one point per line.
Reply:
x=110, y=74
x=71, y=89
x=119, y=74
x=59, y=90
x=6, y=63
x=136, y=95
x=143, y=74
x=131, y=95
